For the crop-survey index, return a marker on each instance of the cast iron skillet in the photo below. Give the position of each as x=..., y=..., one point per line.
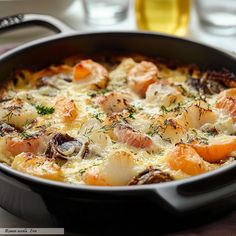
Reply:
x=159, y=207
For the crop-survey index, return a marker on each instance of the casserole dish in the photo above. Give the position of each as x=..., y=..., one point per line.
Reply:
x=77, y=207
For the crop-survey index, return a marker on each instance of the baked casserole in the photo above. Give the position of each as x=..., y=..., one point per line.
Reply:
x=118, y=120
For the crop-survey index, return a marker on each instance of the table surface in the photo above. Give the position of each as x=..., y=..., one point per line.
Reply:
x=75, y=18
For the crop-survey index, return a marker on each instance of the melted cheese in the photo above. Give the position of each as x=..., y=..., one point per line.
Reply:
x=171, y=112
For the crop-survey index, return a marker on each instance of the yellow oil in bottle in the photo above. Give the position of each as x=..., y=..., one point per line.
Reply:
x=168, y=16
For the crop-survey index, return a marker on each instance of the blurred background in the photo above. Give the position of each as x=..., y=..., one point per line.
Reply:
x=211, y=22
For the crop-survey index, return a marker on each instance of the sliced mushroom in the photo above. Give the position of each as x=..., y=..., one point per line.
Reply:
x=125, y=133
x=207, y=86
x=150, y=176
x=65, y=146
x=213, y=82
x=224, y=77
x=45, y=81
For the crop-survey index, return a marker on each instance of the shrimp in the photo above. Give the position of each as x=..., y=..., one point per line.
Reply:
x=218, y=149
x=184, y=157
x=114, y=102
x=18, y=145
x=90, y=73
x=227, y=102
x=117, y=169
x=37, y=166
x=68, y=109
x=228, y=93
x=141, y=76
x=229, y=105
x=126, y=134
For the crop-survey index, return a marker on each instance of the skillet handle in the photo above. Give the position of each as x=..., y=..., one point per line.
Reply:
x=22, y=20
x=200, y=193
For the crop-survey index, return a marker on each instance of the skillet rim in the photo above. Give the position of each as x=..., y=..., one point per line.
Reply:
x=91, y=188
x=37, y=43
x=49, y=39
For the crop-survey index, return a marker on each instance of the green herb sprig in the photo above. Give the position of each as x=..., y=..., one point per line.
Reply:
x=43, y=110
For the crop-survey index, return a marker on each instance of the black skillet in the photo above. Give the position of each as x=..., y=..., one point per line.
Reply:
x=159, y=208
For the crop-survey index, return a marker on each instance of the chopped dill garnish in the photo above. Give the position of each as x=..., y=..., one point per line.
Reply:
x=8, y=116
x=161, y=152
x=88, y=138
x=154, y=129
x=28, y=97
x=82, y=171
x=185, y=92
x=43, y=110
x=11, y=111
x=178, y=108
x=28, y=124
x=106, y=128
x=98, y=116
x=26, y=135
x=203, y=140
x=131, y=115
x=131, y=110
x=163, y=108
x=88, y=130
x=104, y=90
x=168, y=140
x=196, y=136
x=98, y=92
x=166, y=122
